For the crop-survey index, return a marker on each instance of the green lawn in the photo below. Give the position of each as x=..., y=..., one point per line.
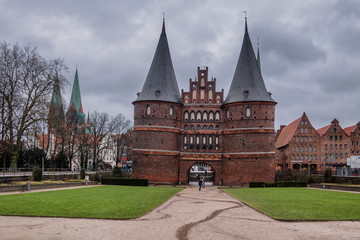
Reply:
x=119, y=202
x=300, y=203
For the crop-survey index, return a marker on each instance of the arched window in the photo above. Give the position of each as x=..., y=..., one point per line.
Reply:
x=205, y=116
x=202, y=95
x=194, y=95
x=198, y=116
x=148, y=110
x=218, y=98
x=204, y=140
x=192, y=116
x=210, y=140
x=185, y=139
x=248, y=112
x=186, y=116
x=197, y=140
x=202, y=82
x=191, y=140
x=217, y=140
x=171, y=111
x=186, y=99
x=210, y=95
x=211, y=127
x=227, y=113
x=217, y=116
x=211, y=116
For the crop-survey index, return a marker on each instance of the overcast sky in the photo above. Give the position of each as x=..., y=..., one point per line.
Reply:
x=310, y=54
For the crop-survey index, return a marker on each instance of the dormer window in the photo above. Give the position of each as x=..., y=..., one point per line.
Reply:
x=246, y=92
x=157, y=92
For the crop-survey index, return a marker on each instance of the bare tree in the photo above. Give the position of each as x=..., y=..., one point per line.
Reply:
x=100, y=126
x=121, y=137
x=26, y=81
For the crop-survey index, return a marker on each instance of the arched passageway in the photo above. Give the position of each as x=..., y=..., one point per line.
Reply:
x=201, y=170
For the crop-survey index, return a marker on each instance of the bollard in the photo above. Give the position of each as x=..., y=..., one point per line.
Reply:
x=86, y=180
x=28, y=186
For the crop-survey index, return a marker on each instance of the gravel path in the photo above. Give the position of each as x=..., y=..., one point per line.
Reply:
x=191, y=214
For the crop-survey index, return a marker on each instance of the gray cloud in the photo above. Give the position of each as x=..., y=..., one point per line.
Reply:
x=309, y=49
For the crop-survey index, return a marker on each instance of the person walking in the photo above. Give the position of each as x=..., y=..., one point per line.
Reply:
x=200, y=183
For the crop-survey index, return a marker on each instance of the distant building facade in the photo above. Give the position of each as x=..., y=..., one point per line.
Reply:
x=173, y=132
x=302, y=148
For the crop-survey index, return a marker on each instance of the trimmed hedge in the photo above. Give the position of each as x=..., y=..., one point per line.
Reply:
x=277, y=184
x=125, y=181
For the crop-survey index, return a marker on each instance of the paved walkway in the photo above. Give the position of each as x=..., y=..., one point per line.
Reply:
x=209, y=214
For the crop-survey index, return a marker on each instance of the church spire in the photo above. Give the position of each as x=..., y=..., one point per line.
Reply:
x=160, y=83
x=247, y=84
x=56, y=112
x=75, y=106
x=258, y=56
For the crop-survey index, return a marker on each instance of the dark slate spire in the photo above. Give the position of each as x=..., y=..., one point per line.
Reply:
x=258, y=57
x=160, y=83
x=247, y=84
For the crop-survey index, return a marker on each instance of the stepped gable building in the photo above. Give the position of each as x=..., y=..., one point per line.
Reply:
x=335, y=144
x=174, y=132
x=354, y=133
x=298, y=147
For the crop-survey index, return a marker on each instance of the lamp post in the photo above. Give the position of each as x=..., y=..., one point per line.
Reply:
x=324, y=184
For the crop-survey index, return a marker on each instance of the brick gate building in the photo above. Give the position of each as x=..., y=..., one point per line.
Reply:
x=173, y=131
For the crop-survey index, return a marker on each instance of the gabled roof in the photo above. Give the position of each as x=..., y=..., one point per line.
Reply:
x=160, y=83
x=247, y=84
x=350, y=129
x=287, y=133
x=323, y=130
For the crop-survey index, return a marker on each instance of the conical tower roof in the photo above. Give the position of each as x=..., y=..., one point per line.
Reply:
x=75, y=100
x=247, y=84
x=160, y=83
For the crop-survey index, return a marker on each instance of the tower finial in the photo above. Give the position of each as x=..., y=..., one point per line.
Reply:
x=246, y=29
x=163, y=28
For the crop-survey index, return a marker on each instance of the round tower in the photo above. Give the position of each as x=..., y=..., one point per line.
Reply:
x=249, y=114
x=157, y=114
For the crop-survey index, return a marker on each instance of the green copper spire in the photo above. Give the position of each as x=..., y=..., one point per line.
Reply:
x=75, y=106
x=56, y=113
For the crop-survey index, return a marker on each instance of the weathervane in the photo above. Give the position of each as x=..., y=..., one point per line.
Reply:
x=245, y=14
x=163, y=13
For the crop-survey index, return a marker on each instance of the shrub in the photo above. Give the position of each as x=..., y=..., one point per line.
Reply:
x=328, y=175
x=36, y=174
x=116, y=172
x=256, y=184
x=291, y=184
x=271, y=184
x=125, y=181
x=82, y=173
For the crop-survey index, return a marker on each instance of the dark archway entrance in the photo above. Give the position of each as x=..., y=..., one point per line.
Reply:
x=201, y=170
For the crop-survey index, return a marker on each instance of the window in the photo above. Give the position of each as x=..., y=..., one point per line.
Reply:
x=171, y=111
x=186, y=116
x=198, y=116
x=335, y=137
x=198, y=127
x=293, y=157
x=185, y=139
x=306, y=139
x=217, y=116
x=197, y=140
x=194, y=95
x=310, y=148
x=192, y=116
x=191, y=140
x=297, y=148
x=302, y=139
x=310, y=138
x=330, y=137
x=306, y=130
x=315, y=157
x=202, y=95
x=186, y=127
x=204, y=140
x=186, y=99
x=315, y=149
x=310, y=157
x=306, y=149
x=211, y=116
x=302, y=148
x=210, y=140
x=211, y=127
x=210, y=95
x=340, y=146
x=148, y=110
x=302, y=157
x=335, y=146
x=340, y=137
x=217, y=140
x=227, y=113
x=202, y=82
x=302, y=130
x=248, y=112
x=306, y=122
x=345, y=146
x=218, y=99
x=297, y=139
x=334, y=130
x=205, y=116
x=293, y=148
x=331, y=146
